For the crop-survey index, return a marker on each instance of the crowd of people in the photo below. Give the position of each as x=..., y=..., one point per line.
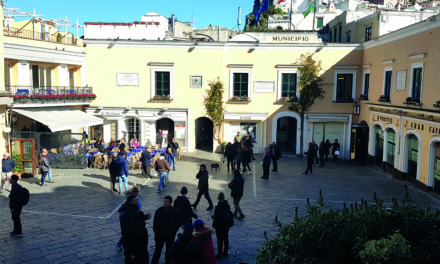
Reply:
x=323, y=150
x=194, y=243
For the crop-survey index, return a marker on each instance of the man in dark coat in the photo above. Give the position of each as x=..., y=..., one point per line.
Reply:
x=137, y=239
x=174, y=146
x=315, y=146
x=237, y=186
x=203, y=187
x=310, y=155
x=240, y=155
x=159, y=138
x=182, y=204
x=327, y=145
x=184, y=249
x=336, y=147
x=15, y=205
x=146, y=158
x=322, y=151
x=276, y=155
x=165, y=226
x=266, y=163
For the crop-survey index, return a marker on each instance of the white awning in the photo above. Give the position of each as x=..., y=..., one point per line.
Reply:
x=60, y=118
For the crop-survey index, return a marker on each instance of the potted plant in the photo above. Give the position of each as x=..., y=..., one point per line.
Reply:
x=363, y=97
x=161, y=97
x=18, y=163
x=289, y=99
x=383, y=98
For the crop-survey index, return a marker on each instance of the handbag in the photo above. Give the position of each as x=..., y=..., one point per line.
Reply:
x=39, y=170
x=337, y=152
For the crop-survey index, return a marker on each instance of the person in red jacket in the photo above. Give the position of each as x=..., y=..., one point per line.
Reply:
x=203, y=235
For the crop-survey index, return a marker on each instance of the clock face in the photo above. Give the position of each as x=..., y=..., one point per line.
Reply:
x=196, y=81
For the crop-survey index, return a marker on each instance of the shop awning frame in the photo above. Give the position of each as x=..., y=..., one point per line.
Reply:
x=60, y=118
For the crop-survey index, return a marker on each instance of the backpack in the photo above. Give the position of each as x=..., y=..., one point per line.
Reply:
x=229, y=218
x=24, y=196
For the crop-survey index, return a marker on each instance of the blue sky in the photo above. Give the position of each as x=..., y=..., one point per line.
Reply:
x=217, y=13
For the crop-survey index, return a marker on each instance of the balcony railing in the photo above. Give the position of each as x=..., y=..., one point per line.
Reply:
x=41, y=94
x=44, y=36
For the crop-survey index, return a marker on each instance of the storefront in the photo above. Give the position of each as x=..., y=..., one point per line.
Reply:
x=143, y=124
x=407, y=145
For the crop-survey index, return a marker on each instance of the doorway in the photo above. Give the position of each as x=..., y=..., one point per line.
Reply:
x=436, y=184
x=413, y=156
x=133, y=125
x=286, y=134
x=361, y=143
x=167, y=127
x=378, y=158
x=204, y=134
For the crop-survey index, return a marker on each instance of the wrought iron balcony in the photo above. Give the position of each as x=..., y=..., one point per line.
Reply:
x=49, y=94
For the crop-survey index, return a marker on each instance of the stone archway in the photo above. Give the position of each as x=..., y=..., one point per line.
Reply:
x=287, y=125
x=204, y=127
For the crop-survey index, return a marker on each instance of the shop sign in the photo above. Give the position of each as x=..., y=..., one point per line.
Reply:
x=421, y=127
x=383, y=119
x=245, y=117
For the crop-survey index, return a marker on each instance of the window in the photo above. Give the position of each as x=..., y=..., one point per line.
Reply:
x=348, y=37
x=162, y=82
x=388, y=77
x=416, y=81
x=72, y=78
x=344, y=90
x=366, y=88
x=340, y=33
x=320, y=22
x=368, y=32
x=240, y=80
x=288, y=84
x=41, y=76
x=8, y=76
x=330, y=36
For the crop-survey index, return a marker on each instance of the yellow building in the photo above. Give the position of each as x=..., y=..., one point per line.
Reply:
x=129, y=77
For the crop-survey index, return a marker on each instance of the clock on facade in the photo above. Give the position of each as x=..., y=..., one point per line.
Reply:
x=196, y=81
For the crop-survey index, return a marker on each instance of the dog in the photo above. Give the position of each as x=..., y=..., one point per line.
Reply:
x=215, y=166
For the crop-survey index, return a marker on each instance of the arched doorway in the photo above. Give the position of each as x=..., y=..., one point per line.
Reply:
x=167, y=127
x=436, y=169
x=391, y=150
x=286, y=134
x=362, y=139
x=413, y=156
x=204, y=134
x=378, y=157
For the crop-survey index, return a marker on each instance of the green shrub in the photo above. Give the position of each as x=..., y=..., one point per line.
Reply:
x=18, y=163
x=391, y=251
x=329, y=236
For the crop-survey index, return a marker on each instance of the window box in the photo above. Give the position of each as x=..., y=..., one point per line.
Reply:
x=383, y=98
x=363, y=97
x=291, y=99
x=344, y=100
x=412, y=101
x=243, y=98
x=162, y=97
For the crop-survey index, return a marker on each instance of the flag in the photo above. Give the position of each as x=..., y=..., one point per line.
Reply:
x=279, y=2
x=310, y=9
x=259, y=7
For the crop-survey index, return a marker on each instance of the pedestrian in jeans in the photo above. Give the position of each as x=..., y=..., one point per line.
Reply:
x=174, y=146
x=162, y=167
x=8, y=165
x=44, y=166
x=237, y=186
x=120, y=168
x=171, y=160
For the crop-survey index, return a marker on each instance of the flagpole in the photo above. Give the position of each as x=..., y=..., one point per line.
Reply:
x=314, y=12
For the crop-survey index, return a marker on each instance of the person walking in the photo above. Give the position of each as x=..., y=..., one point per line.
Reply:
x=250, y=146
x=240, y=155
x=322, y=150
x=15, y=205
x=165, y=226
x=44, y=167
x=174, y=146
x=336, y=150
x=328, y=146
x=136, y=241
x=276, y=155
x=315, y=146
x=185, y=250
x=159, y=138
x=112, y=170
x=237, y=186
x=146, y=159
x=203, y=235
x=170, y=159
x=221, y=226
x=120, y=168
x=310, y=156
x=203, y=187
x=266, y=163
x=247, y=160
x=8, y=165
x=230, y=154
x=162, y=167
x=182, y=204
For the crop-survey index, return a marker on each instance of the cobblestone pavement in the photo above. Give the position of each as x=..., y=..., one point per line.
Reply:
x=75, y=219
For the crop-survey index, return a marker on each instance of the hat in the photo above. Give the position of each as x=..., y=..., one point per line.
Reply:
x=188, y=227
x=199, y=224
